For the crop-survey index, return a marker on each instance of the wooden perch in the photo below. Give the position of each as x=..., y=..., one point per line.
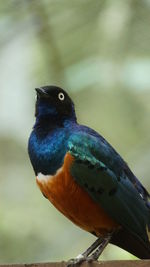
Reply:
x=138, y=263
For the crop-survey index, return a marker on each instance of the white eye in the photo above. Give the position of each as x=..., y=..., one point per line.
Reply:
x=61, y=96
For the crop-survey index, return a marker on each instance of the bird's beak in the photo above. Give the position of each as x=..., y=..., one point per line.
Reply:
x=41, y=92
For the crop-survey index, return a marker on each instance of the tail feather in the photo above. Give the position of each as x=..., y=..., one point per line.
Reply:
x=132, y=244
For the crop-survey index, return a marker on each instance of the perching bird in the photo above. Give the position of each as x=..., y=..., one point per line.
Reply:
x=86, y=179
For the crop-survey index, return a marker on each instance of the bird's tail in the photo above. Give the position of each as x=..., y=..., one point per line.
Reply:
x=131, y=243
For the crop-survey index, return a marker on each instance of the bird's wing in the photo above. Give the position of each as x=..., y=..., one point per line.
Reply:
x=112, y=189
x=108, y=155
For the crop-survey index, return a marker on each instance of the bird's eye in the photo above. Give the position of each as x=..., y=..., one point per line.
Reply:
x=61, y=96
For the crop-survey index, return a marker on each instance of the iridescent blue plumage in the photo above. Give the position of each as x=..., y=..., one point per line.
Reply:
x=47, y=154
x=48, y=140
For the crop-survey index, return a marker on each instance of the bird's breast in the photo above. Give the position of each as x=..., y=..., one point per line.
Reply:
x=75, y=203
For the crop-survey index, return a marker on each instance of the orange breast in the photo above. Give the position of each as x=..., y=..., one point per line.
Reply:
x=75, y=203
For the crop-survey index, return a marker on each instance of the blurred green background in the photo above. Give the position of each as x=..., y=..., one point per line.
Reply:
x=99, y=50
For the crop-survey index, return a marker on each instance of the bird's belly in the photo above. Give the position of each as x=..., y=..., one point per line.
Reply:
x=75, y=203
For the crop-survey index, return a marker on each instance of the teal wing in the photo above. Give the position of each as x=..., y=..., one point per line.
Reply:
x=110, y=187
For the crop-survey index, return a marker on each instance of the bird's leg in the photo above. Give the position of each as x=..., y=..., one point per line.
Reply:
x=98, y=246
x=96, y=254
x=84, y=256
x=90, y=249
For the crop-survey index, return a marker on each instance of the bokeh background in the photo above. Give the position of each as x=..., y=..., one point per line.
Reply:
x=99, y=50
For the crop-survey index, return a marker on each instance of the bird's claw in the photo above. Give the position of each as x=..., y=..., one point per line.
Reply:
x=79, y=260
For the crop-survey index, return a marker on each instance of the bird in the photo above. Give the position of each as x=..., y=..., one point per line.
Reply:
x=85, y=178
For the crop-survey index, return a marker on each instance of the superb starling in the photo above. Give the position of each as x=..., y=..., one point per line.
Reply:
x=83, y=176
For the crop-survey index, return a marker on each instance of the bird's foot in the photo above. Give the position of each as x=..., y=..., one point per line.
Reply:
x=89, y=256
x=79, y=260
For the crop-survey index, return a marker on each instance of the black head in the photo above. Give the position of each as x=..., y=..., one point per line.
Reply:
x=54, y=103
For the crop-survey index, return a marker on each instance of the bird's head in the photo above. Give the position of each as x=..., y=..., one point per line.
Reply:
x=54, y=104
